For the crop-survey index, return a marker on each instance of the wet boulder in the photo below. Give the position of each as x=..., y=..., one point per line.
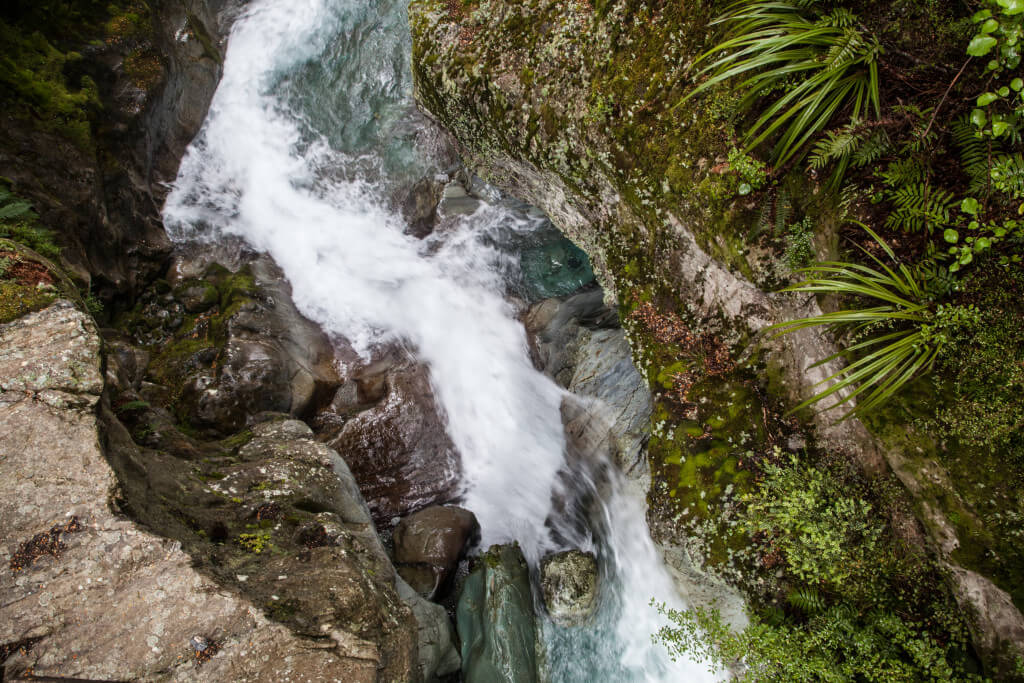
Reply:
x=496, y=622
x=429, y=544
x=398, y=449
x=568, y=583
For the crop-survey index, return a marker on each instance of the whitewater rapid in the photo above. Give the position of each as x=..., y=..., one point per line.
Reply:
x=306, y=137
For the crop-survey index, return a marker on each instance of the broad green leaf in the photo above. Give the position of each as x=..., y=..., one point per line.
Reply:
x=1017, y=84
x=986, y=99
x=999, y=127
x=982, y=244
x=970, y=206
x=979, y=118
x=1011, y=7
x=989, y=26
x=981, y=45
x=951, y=236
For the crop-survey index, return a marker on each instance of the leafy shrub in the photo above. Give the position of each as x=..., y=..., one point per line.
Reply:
x=771, y=42
x=1000, y=28
x=824, y=537
x=862, y=605
x=799, y=244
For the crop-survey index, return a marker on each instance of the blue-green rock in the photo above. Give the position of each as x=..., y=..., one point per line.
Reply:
x=496, y=620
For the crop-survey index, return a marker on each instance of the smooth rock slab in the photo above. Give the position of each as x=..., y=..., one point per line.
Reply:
x=496, y=621
x=568, y=582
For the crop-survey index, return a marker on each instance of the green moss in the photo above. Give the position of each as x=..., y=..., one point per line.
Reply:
x=255, y=542
x=32, y=79
x=17, y=299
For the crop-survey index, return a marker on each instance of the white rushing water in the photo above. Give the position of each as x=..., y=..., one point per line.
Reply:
x=307, y=134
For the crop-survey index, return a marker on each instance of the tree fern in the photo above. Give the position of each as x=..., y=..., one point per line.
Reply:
x=920, y=207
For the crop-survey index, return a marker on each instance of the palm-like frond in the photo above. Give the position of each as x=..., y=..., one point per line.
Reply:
x=879, y=365
x=772, y=42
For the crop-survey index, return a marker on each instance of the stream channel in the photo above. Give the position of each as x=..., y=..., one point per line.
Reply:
x=312, y=134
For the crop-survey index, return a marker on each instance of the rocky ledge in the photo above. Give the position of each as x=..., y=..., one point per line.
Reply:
x=307, y=594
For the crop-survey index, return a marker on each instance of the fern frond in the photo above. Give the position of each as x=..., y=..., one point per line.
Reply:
x=876, y=146
x=908, y=171
x=920, y=207
x=807, y=600
x=14, y=209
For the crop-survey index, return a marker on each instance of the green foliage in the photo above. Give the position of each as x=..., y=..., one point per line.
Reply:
x=32, y=79
x=751, y=171
x=983, y=372
x=255, y=542
x=799, y=244
x=853, y=145
x=893, y=343
x=822, y=62
x=1008, y=175
x=920, y=207
x=862, y=605
x=18, y=223
x=837, y=645
x=824, y=537
x=807, y=600
x=1000, y=28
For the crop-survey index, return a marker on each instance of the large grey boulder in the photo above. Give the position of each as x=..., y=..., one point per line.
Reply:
x=568, y=582
x=429, y=543
x=496, y=620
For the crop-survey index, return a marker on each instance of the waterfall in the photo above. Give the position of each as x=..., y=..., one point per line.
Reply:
x=310, y=134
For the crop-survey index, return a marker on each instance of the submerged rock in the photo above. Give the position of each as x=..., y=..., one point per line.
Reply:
x=429, y=544
x=568, y=581
x=496, y=621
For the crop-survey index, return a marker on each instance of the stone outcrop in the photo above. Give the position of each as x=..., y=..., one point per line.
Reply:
x=267, y=569
x=103, y=196
x=496, y=621
x=398, y=449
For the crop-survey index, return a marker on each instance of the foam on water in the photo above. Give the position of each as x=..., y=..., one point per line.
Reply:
x=308, y=133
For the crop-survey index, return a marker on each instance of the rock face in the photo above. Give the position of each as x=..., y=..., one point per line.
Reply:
x=103, y=196
x=577, y=340
x=398, y=449
x=229, y=345
x=282, y=577
x=568, y=581
x=496, y=620
x=429, y=544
